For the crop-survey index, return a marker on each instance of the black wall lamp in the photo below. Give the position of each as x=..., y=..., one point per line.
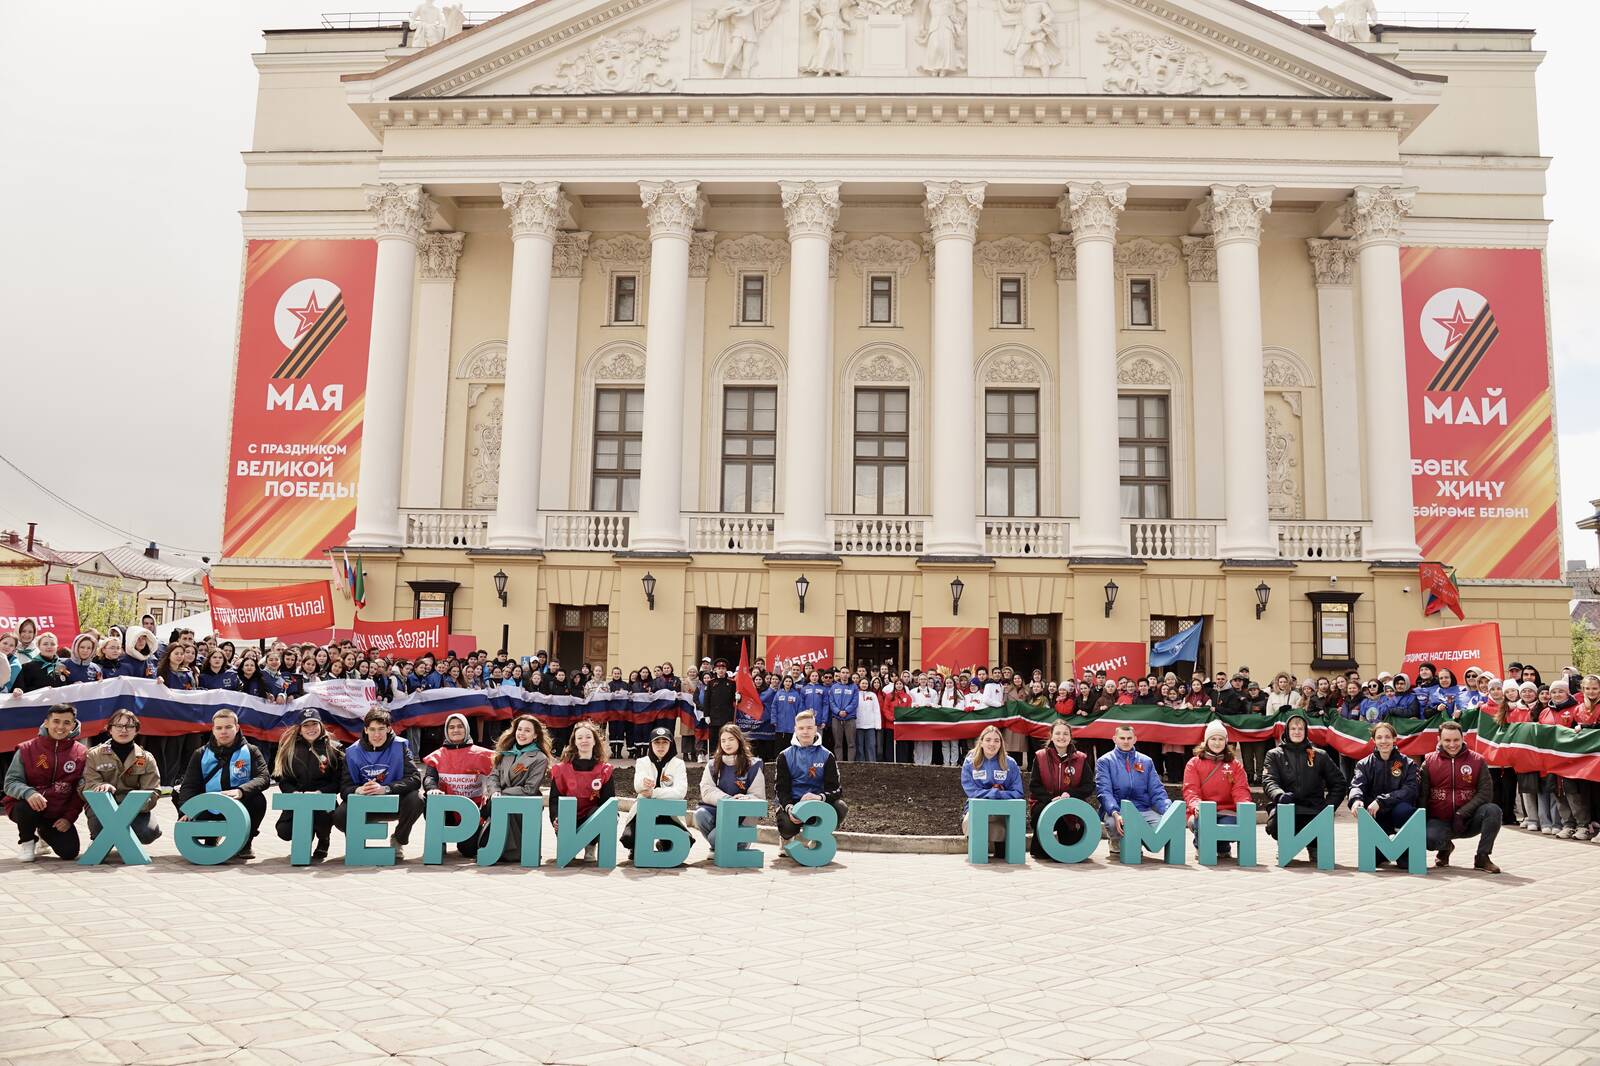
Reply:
x=649, y=581
x=957, y=587
x=500, y=581
x=801, y=587
x=1263, y=594
x=1111, y=597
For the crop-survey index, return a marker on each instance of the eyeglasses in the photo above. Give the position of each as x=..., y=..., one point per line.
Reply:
x=124, y=725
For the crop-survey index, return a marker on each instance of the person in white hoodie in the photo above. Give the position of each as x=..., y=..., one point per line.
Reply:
x=734, y=773
x=659, y=774
x=923, y=695
x=869, y=723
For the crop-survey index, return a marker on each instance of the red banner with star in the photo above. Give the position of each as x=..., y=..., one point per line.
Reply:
x=1483, y=451
x=298, y=394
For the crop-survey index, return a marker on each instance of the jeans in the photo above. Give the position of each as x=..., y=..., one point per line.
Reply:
x=1572, y=802
x=867, y=745
x=844, y=738
x=1392, y=818
x=1528, y=799
x=1224, y=847
x=1483, y=824
x=141, y=826
x=1114, y=835
x=32, y=824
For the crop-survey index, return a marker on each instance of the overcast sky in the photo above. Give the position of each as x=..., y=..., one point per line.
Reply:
x=122, y=181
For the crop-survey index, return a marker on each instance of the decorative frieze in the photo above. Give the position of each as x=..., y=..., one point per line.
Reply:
x=881, y=254
x=630, y=61
x=730, y=35
x=437, y=256
x=1010, y=255
x=1331, y=260
x=753, y=252
x=1200, y=259
x=700, y=246
x=1144, y=256
x=1065, y=255
x=1157, y=64
x=624, y=252
x=571, y=246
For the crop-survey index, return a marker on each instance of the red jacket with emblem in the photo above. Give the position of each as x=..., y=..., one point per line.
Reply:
x=52, y=768
x=1219, y=781
x=1454, y=785
x=1056, y=775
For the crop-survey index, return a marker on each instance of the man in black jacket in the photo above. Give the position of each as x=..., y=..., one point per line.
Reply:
x=719, y=700
x=1300, y=773
x=232, y=766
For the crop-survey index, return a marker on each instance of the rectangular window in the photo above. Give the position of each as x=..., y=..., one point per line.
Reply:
x=882, y=450
x=749, y=450
x=880, y=300
x=1011, y=302
x=752, y=299
x=618, y=445
x=1142, y=303
x=624, y=299
x=1144, y=449
x=1011, y=453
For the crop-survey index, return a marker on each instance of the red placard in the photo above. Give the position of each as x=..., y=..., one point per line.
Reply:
x=1483, y=466
x=298, y=396
x=1118, y=658
x=1457, y=647
x=807, y=653
x=408, y=638
x=246, y=614
x=53, y=608
x=955, y=647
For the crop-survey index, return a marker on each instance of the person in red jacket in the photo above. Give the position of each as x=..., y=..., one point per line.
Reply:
x=1059, y=769
x=458, y=769
x=1455, y=788
x=41, y=786
x=1215, y=774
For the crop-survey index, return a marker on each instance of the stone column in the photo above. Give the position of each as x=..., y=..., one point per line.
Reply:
x=1066, y=260
x=701, y=246
x=561, y=370
x=401, y=212
x=536, y=209
x=952, y=209
x=673, y=208
x=1333, y=262
x=1090, y=210
x=1205, y=340
x=1235, y=213
x=430, y=369
x=1374, y=215
x=811, y=209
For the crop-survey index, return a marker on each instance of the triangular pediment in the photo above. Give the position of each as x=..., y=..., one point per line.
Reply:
x=1115, y=48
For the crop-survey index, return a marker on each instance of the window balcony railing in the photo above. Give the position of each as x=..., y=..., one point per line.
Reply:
x=586, y=531
x=1171, y=538
x=1321, y=541
x=750, y=534
x=877, y=534
x=1041, y=538
x=434, y=528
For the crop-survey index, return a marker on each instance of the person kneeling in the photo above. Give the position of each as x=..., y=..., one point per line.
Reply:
x=1215, y=774
x=309, y=760
x=806, y=771
x=584, y=773
x=1385, y=783
x=41, y=786
x=120, y=766
x=1297, y=772
x=521, y=764
x=989, y=773
x=733, y=773
x=1059, y=769
x=232, y=766
x=1454, y=782
x=458, y=768
x=1124, y=773
x=381, y=764
x=662, y=775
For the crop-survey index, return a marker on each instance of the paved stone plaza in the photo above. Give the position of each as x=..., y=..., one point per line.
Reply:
x=876, y=960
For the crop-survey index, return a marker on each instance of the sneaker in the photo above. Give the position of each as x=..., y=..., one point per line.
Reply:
x=1532, y=827
x=1548, y=830
x=1565, y=832
x=399, y=853
x=813, y=845
x=1443, y=858
x=246, y=852
x=1583, y=834
x=1486, y=864
x=28, y=850
x=591, y=853
x=44, y=847
x=319, y=852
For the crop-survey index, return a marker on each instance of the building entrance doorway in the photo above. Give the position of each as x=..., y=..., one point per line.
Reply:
x=579, y=635
x=723, y=631
x=878, y=638
x=1028, y=643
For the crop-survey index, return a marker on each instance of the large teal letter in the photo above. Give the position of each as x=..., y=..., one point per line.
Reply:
x=116, y=828
x=233, y=829
x=301, y=829
x=437, y=827
x=1208, y=834
x=660, y=820
x=979, y=812
x=817, y=822
x=731, y=837
x=1292, y=839
x=1167, y=834
x=361, y=836
x=1410, y=843
x=1044, y=830
x=573, y=836
x=529, y=811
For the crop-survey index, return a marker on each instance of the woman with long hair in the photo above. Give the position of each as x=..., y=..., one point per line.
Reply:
x=732, y=772
x=309, y=760
x=521, y=764
x=583, y=773
x=989, y=773
x=1059, y=769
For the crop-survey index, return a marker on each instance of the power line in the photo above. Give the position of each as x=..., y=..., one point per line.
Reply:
x=80, y=512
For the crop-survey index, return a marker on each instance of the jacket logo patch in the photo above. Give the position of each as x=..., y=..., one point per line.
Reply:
x=1395, y=770
x=43, y=762
x=1466, y=771
x=69, y=766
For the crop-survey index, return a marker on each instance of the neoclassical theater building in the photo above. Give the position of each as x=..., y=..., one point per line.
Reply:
x=1063, y=320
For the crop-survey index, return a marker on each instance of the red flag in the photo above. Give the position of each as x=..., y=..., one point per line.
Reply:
x=245, y=614
x=748, y=702
x=1439, y=589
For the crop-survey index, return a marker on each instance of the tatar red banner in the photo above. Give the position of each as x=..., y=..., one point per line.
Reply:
x=807, y=653
x=53, y=608
x=1118, y=658
x=248, y=614
x=956, y=648
x=1457, y=647
x=408, y=638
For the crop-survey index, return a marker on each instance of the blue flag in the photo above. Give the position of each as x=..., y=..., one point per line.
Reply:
x=1182, y=647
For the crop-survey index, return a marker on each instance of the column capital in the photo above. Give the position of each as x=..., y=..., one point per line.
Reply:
x=1234, y=212
x=1089, y=209
x=571, y=247
x=1373, y=213
x=1066, y=259
x=701, y=244
x=1200, y=259
x=400, y=211
x=952, y=208
x=673, y=208
x=537, y=208
x=1330, y=260
x=811, y=208
x=438, y=255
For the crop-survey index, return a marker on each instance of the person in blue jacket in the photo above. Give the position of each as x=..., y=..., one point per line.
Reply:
x=814, y=695
x=1374, y=704
x=1427, y=682
x=1125, y=774
x=1385, y=782
x=381, y=763
x=805, y=770
x=1404, y=702
x=80, y=665
x=214, y=674
x=786, y=703
x=1447, y=698
x=989, y=773
x=843, y=698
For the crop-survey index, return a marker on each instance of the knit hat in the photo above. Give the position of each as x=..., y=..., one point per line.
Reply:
x=1215, y=728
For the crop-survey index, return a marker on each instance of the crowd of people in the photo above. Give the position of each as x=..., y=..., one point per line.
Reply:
x=811, y=720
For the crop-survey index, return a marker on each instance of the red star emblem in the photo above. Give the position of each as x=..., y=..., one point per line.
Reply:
x=1457, y=324
x=309, y=314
